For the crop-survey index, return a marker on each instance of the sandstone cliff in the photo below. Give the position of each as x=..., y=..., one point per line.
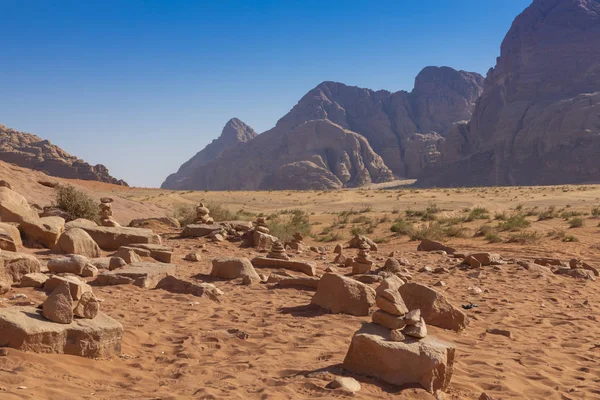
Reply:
x=342, y=136
x=538, y=120
x=234, y=133
x=29, y=151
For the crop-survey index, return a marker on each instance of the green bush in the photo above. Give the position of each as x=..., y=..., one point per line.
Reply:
x=576, y=223
x=403, y=227
x=478, y=213
x=76, y=202
x=431, y=231
x=284, y=226
x=524, y=238
x=185, y=214
x=514, y=223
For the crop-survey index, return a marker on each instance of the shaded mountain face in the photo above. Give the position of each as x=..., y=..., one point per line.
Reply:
x=234, y=133
x=538, y=120
x=29, y=151
x=342, y=136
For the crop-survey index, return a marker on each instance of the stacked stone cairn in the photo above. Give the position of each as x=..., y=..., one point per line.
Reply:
x=106, y=218
x=394, y=315
x=297, y=242
x=339, y=258
x=278, y=251
x=260, y=225
x=362, y=263
x=203, y=215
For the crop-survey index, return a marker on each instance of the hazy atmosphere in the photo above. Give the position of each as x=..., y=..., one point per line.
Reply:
x=141, y=86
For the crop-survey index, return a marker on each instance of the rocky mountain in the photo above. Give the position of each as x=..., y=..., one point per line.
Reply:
x=342, y=136
x=29, y=151
x=538, y=120
x=234, y=133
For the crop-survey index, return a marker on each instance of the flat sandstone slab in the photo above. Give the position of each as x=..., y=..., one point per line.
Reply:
x=428, y=362
x=200, y=230
x=24, y=328
x=143, y=274
x=305, y=267
x=110, y=238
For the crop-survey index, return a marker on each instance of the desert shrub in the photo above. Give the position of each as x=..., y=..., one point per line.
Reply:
x=456, y=231
x=514, y=223
x=329, y=237
x=485, y=229
x=547, y=214
x=501, y=216
x=524, y=237
x=185, y=214
x=477, y=213
x=402, y=227
x=556, y=234
x=492, y=237
x=570, y=238
x=75, y=202
x=431, y=231
x=363, y=219
x=576, y=223
x=283, y=226
x=380, y=240
x=566, y=215
x=596, y=212
x=363, y=229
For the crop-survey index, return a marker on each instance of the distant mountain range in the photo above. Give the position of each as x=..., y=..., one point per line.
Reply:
x=534, y=120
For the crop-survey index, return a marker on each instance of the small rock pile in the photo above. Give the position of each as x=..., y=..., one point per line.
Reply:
x=362, y=263
x=278, y=251
x=260, y=225
x=61, y=307
x=394, y=315
x=340, y=258
x=203, y=215
x=106, y=215
x=297, y=242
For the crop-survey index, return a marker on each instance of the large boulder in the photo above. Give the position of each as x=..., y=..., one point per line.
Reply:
x=339, y=294
x=58, y=307
x=428, y=362
x=45, y=230
x=79, y=222
x=143, y=222
x=14, y=265
x=199, y=289
x=14, y=207
x=76, y=285
x=233, y=268
x=10, y=237
x=111, y=238
x=435, y=309
x=77, y=241
x=200, y=230
x=159, y=252
x=431, y=245
x=72, y=264
x=25, y=329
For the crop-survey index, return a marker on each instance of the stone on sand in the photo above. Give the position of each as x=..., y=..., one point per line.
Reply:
x=431, y=245
x=77, y=241
x=34, y=280
x=72, y=264
x=198, y=289
x=339, y=294
x=58, y=307
x=346, y=384
x=87, y=306
x=233, y=268
x=111, y=238
x=145, y=275
x=306, y=267
x=77, y=287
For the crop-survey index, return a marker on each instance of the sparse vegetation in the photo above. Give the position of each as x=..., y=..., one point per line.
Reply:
x=284, y=225
x=75, y=202
x=432, y=231
x=514, y=223
x=403, y=227
x=477, y=213
x=576, y=223
x=529, y=237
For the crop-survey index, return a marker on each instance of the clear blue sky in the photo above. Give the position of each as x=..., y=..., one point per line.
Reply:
x=142, y=85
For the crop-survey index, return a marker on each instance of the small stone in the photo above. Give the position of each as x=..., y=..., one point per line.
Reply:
x=501, y=332
x=440, y=284
x=338, y=249
x=346, y=384
x=262, y=277
x=331, y=269
x=441, y=270
x=419, y=330
x=474, y=290
x=391, y=302
x=88, y=306
x=485, y=396
x=89, y=271
x=58, y=307
x=248, y=280
x=397, y=336
x=192, y=257
x=388, y=320
x=3, y=352
x=426, y=269
x=413, y=317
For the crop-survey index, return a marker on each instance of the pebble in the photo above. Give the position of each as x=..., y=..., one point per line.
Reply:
x=347, y=384
x=475, y=290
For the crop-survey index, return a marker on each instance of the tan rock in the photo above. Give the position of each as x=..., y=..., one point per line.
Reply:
x=72, y=264
x=431, y=245
x=413, y=317
x=45, y=231
x=34, y=280
x=199, y=289
x=89, y=270
x=339, y=294
x=14, y=207
x=14, y=265
x=306, y=267
x=76, y=285
x=388, y=320
x=192, y=257
x=396, y=335
x=418, y=330
x=111, y=238
x=233, y=268
x=10, y=237
x=391, y=302
x=391, y=282
x=77, y=241
x=435, y=309
x=428, y=362
x=58, y=307
x=143, y=274
x=87, y=306
x=129, y=256
x=346, y=384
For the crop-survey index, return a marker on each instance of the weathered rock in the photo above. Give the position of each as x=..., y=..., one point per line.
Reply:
x=369, y=279
x=87, y=306
x=391, y=282
x=535, y=268
x=418, y=330
x=45, y=231
x=24, y=329
x=202, y=289
x=109, y=263
x=578, y=273
x=34, y=280
x=357, y=240
x=391, y=302
x=390, y=321
x=14, y=265
x=305, y=267
x=200, y=230
x=159, y=252
x=262, y=240
x=192, y=257
x=430, y=245
x=14, y=207
x=339, y=294
x=143, y=222
x=10, y=237
x=58, y=307
x=309, y=282
x=76, y=285
x=346, y=384
x=396, y=335
x=110, y=238
x=413, y=317
x=128, y=255
x=142, y=274
x=77, y=241
x=79, y=222
x=428, y=362
x=233, y=268
x=435, y=309
x=89, y=270
x=72, y=264
x=487, y=258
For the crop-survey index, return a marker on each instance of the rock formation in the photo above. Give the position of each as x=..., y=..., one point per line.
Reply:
x=234, y=133
x=29, y=151
x=342, y=136
x=537, y=120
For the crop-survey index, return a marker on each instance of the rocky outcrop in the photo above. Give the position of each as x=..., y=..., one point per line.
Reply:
x=29, y=151
x=537, y=120
x=342, y=136
x=234, y=133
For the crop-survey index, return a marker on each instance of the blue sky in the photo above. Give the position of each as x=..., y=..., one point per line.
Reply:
x=142, y=85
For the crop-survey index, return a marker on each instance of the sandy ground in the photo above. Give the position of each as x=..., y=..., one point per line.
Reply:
x=177, y=347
